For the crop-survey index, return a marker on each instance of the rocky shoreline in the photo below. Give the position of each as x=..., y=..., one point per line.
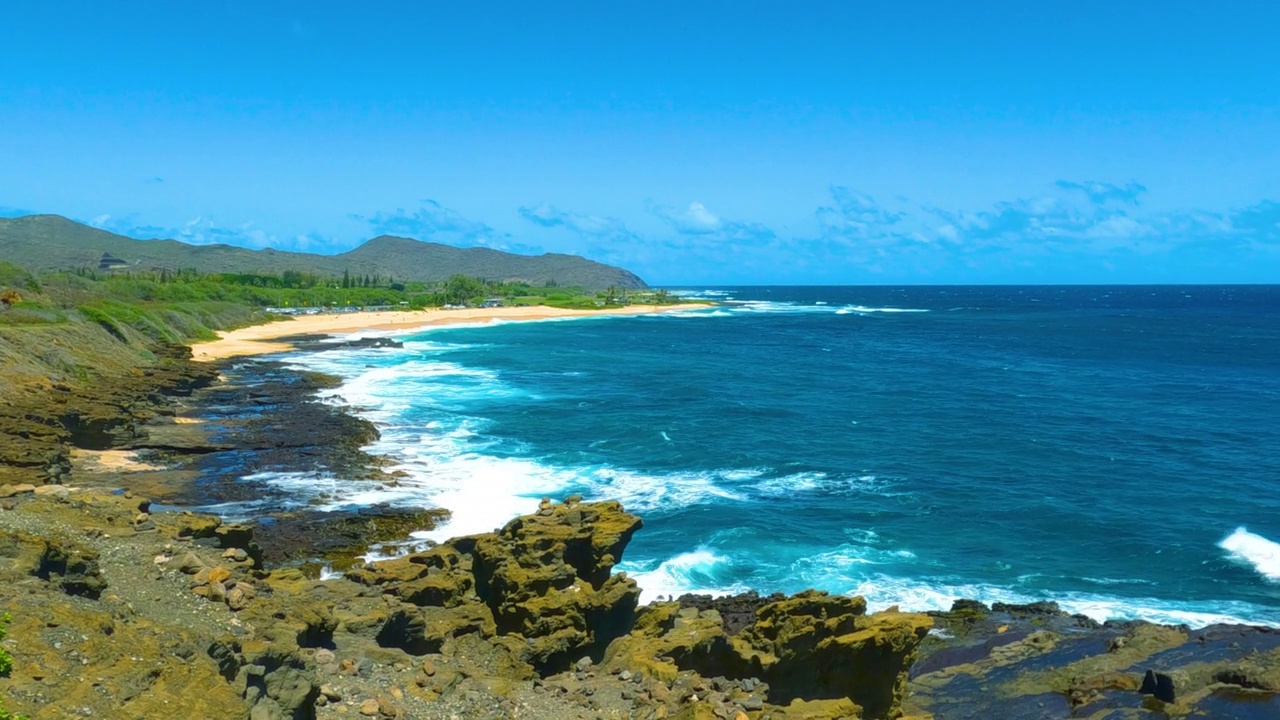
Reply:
x=126, y=605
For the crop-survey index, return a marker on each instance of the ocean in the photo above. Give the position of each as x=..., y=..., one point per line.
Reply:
x=1115, y=449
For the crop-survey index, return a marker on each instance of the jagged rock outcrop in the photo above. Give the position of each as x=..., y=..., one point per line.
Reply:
x=815, y=645
x=542, y=585
x=543, y=588
x=547, y=578
x=811, y=646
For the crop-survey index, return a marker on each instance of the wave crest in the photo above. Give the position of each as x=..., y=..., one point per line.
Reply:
x=1254, y=550
x=695, y=571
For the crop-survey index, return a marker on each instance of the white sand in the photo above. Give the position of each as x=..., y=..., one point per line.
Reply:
x=260, y=339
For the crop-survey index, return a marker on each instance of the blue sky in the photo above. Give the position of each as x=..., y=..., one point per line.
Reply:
x=695, y=143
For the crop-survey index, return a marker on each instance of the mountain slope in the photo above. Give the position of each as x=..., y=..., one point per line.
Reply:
x=41, y=242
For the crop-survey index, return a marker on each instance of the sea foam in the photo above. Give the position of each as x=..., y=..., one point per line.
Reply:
x=450, y=459
x=883, y=591
x=794, y=308
x=860, y=569
x=1254, y=550
x=694, y=571
x=431, y=414
x=706, y=572
x=862, y=310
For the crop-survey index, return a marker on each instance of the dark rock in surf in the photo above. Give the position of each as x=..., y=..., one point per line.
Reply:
x=1158, y=685
x=1035, y=608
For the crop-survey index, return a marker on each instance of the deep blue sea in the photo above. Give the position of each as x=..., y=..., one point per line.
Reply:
x=1116, y=449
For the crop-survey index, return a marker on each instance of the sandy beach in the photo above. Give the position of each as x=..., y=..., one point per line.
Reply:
x=111, y=461
x=262, y=339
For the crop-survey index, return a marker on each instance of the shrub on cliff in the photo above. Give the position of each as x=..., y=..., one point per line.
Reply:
x=6, y=665
x=6, y=660
x=15, y=277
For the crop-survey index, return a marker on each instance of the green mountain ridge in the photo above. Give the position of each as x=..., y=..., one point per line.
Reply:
x=52, y=242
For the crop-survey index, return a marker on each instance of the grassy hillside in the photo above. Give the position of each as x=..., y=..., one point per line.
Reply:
x=66, y=328
x=50, y=242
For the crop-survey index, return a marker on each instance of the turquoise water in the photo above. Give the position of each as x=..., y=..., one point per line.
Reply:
x=1113, y=448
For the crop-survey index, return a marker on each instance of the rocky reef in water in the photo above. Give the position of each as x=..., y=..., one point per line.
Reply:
x=1037, y=662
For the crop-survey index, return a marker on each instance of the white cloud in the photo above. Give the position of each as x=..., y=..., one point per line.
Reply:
x=693, y=220
x=698, y=221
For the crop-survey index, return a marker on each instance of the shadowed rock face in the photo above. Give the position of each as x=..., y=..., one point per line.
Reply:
x=736, y=611
x=73, y=567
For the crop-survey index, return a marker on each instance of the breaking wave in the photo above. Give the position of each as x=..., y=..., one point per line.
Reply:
x=1256, y=551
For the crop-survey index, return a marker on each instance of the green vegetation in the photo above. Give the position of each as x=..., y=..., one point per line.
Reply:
x=6, y=665
x=120, y=303
x=152, y=302
x=6, y=660
x=75, y=327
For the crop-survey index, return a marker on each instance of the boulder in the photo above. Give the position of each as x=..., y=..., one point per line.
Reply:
x=668, y=639
x=837, y=709
x=439, y=577
x=190, y=526
x=191, y=564
x=72, y=566
x=239, y=536
x=18, y=489
x=279, y=682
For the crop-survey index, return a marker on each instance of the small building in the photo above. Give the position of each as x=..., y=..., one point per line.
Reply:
x=492, y=303
x=110, y=262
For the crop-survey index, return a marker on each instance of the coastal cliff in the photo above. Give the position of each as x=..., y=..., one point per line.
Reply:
x=120, y=610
